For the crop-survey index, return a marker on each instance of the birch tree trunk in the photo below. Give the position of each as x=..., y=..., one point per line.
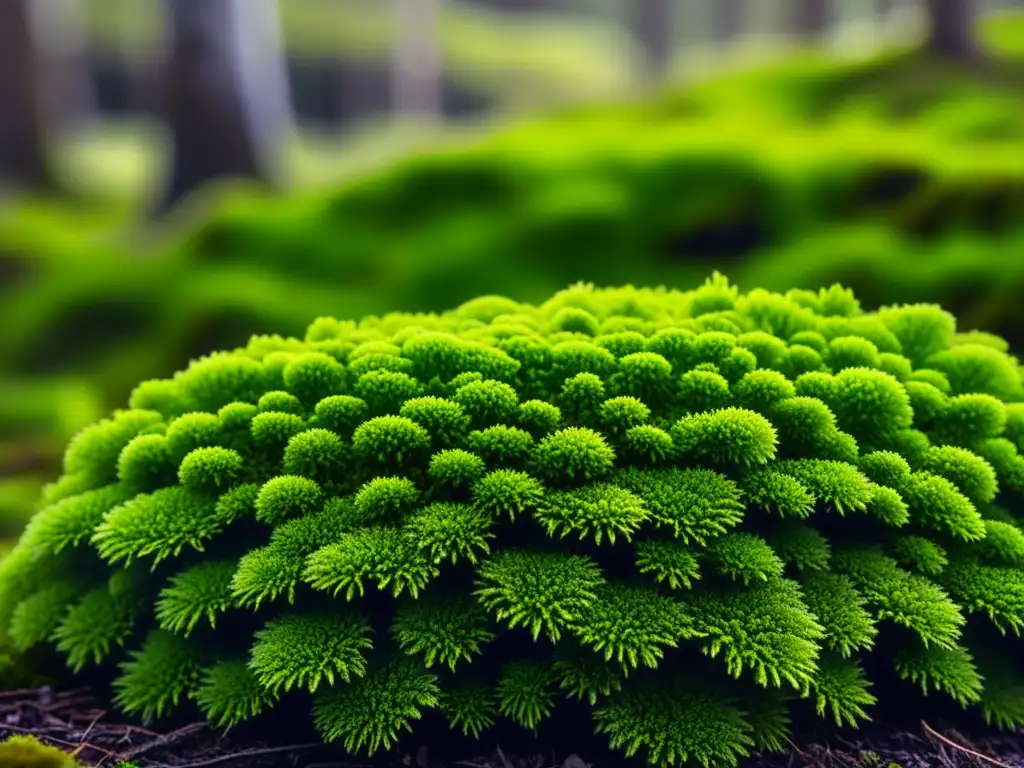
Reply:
x=23, y=157
x=952, y=29
x=225, y=92
x=651, y=22
x=417, y=64
x=812, y=18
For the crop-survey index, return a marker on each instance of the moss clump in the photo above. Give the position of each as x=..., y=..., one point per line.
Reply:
x=682, y=511
x=29, y=752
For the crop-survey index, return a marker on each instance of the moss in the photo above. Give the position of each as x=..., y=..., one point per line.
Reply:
x=29, y=752
x=453, y=515
x=733, y=173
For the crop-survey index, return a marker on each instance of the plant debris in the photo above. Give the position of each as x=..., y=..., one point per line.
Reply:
x=76, y=722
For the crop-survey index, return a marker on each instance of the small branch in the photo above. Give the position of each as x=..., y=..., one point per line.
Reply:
x=163, y=741
x=962, y=748
x=250, y=753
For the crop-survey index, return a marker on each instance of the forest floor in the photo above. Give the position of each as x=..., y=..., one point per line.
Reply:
x=76, y=722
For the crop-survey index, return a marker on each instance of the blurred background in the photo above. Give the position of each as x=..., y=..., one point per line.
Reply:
x=177, y=175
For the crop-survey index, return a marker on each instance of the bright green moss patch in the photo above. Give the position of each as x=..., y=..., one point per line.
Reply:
x=507, y=511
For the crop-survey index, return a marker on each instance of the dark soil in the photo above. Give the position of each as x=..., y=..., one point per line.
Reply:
x=76, y=722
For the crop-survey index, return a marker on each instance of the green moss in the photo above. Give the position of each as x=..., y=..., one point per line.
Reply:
x=682, y=560
x=771, y=174
x=29, y=752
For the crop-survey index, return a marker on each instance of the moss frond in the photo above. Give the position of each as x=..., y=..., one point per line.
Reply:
x=445, y=630
x=369, y=714
x=836, y=484
x=71, y=521
x=385, y=556
x=526, y=692
x=95, y=624
x=695, y=504
x=744, y=557
x=767, y=711
x=537, y=590
x=888, y=506
x=1003, y=544
x=632, y=625
x=670, y=562
x=157, y=525
x=573, y=455
x=727, y=436
x=156, y=677
x=766, y=628
x=935, y=503
x=455, y=469
x=673, y=726
x=584, y=674
x=841, y=689
x=799, y=545
x=469, y=707
x=950, y=670
x=200, y=591
x=778, y=493
x=305, y=650
x=1002, y=700
x=451, y=531
x=229, y=693
x=601, y=511
x=905, y=598
x=841, y=611
x=920, y=554
x=971, y=474
x=507, y=492
x=35, y=619
x=997, y=592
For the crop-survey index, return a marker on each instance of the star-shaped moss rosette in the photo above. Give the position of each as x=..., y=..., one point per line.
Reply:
x=682, y=511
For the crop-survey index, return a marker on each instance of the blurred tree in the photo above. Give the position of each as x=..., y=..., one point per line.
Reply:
x=811, y=18
x=726, y=19
x=225, y=94
x=522, y=5
x=652, y=23
x=418, y=68
x=952, y=29
x=885, y=7
x=23, y=157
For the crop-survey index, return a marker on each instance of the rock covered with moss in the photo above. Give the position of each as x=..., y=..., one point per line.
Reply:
x=684, y=512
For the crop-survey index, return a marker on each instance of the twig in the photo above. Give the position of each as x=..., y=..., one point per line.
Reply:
x=164, y=740
x=504, y=760
x=93, y=723
x=962, y=748
x=251, y=753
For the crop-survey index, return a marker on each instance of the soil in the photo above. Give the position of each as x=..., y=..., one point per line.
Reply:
x=76, y=721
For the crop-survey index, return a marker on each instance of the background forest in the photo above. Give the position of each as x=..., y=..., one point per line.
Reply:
x=177, y=176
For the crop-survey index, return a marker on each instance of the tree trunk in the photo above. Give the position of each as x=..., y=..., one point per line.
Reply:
x=651, y=22
x=225, y=92
x=952, y=29
x=417, y=63
x=68, y=94
x=812, y=18
x=726, y=20
x=23, y=158
x=521, y=5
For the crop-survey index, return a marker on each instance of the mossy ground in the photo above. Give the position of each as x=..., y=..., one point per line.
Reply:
x=897, y=175
x=923, y=746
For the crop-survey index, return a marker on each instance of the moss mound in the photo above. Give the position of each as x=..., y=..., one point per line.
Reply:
x=29, y=752
x=686, y=513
